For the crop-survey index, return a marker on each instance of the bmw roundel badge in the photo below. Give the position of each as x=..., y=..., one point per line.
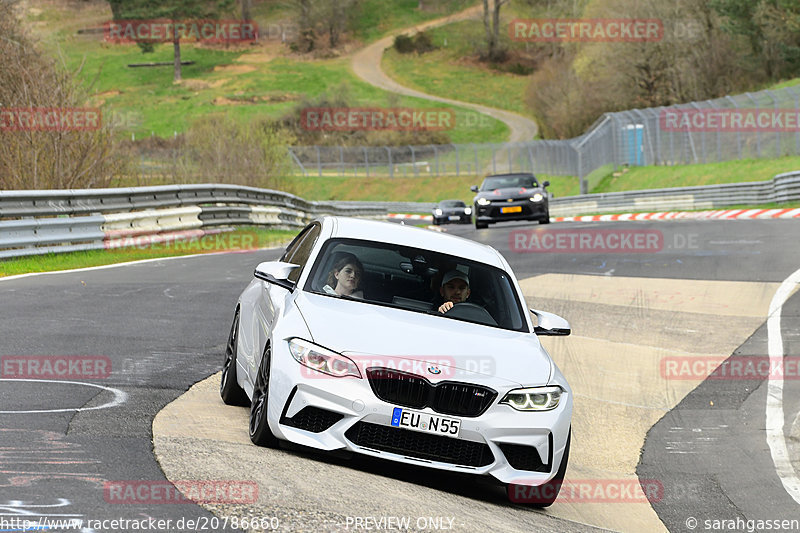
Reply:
x=435, y=370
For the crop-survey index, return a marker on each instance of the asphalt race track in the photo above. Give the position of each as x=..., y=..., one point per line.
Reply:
x=697, y=291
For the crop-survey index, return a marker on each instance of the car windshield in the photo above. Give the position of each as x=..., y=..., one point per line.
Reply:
x=409, y=278
x=506, y=182
x=452, y=203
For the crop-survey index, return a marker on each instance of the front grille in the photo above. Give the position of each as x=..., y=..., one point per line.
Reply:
x=461, y=399
x=420, y=445
x=447, y=397
x=312, y=419
x=523, y=457
x=398, y=387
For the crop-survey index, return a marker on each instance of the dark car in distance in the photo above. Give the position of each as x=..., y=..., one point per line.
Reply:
x=507, y=197
x=454, y=211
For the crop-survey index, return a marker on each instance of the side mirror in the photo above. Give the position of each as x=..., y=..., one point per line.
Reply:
x=474, y=188
x=545, y=183
x=277, y=273
x=550, y=324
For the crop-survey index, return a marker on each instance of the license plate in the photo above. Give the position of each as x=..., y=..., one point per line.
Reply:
x=454, y=218
x=426, y=423
x=513, y=209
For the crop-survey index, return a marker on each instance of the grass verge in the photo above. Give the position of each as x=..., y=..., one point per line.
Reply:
x=411, y=189
x=660, y=177
x=772, y=205
x=244, y=238
x=246, y=82
x=445, y=72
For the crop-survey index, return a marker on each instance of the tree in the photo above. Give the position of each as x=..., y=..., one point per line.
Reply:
x=337, y=16
x=35, y=158
x=491, y=24
x=772, y=28
x=173, y=10
x=306, y=14
x=317, y=17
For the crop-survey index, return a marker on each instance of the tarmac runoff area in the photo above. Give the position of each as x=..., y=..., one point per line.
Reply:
x=623, y=330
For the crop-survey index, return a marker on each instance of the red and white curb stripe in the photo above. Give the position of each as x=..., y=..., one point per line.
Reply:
x=727, y=214
x=400, y=216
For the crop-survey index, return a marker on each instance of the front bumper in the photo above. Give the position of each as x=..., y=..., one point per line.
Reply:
x=494, y=212
x=330, y=413
x=453, y=218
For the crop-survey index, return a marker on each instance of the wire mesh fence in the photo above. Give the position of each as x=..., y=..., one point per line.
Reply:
x=764, y=124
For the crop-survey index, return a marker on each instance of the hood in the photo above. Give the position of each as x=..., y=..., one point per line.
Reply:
x=452, y=210
x=438, y=348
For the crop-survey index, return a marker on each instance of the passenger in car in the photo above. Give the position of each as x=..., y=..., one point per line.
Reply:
x=345, y=277
x=454, y=289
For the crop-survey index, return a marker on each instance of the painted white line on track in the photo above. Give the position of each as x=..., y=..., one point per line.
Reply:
x=776, y=438
x=120, y=397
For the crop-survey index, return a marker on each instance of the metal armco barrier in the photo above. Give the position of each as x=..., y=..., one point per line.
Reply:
x=66, y=221
x=782, y=188
x=40, y=222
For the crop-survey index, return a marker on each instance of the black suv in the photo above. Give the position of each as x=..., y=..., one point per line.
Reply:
x=505, y=197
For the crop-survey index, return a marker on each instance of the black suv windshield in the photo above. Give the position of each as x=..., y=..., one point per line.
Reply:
x=506, y=182
x=410, y=278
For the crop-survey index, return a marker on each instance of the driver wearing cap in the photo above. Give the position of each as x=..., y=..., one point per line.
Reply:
x=454, y=289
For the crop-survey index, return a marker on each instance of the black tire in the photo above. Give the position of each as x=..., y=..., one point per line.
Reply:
x=543, y=495
x=545, y=220
x=260, y=434
x=481, y=225
x=435, y=221
x=229, y=390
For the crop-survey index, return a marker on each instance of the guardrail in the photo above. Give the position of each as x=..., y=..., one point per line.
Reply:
x=54, y=221
x=781, y=188
x=39, y=222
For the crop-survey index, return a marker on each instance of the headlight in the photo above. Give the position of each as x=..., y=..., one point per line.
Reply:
x=437, y=212
x=467, y=210
x=322, y=359
x=483, y=201
x=534, y=399
x=537, y=197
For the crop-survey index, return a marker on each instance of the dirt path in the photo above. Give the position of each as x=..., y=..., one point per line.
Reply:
x=367, y=66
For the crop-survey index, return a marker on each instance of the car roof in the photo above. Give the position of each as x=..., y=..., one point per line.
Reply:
x=515, y=174
x=391, y=232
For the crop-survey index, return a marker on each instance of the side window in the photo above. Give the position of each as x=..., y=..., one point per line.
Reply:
x=299, y=250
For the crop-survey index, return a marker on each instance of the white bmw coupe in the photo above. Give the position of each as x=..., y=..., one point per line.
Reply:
x=404, y=344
